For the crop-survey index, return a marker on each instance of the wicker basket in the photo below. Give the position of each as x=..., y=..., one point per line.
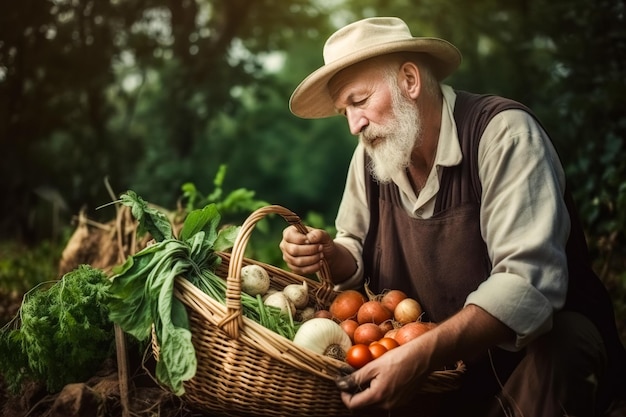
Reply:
x=245, y=369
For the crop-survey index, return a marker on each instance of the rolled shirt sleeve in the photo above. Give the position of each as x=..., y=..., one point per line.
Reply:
x=525, y=225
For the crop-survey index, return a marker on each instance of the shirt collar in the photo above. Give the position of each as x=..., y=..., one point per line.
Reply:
x=448, y=153
x=448, y=149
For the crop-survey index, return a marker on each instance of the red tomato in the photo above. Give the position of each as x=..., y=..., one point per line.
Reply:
x=377, y=350
x=358, y=355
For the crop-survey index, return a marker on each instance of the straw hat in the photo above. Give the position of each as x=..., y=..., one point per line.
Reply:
x=357, y=42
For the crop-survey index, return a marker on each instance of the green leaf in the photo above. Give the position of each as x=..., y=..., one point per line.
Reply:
x=192, y=194
x=143, y=296
x=218, y=181
x=150, y=219
x=178, y=361
x=226, y=238
x=64, y=334
x=206, y=219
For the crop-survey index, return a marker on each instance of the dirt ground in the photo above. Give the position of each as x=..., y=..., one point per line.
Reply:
x=97, y=397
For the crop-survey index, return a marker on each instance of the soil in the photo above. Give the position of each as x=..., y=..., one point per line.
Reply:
x=97, y=397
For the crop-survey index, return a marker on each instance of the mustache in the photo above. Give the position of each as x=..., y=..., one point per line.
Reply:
x=372, y=133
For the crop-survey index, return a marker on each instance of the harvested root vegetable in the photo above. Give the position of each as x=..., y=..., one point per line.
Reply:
x=373, y=312
x=367, y=333
x=411, y=331
x=349, y=326
x=297, y=294
x=305, y=314
x=280, y=301
x=407, y=311
x=346, y=305
x=323, y=336
x=391, y=298
x=254, y=280
x=324, y=314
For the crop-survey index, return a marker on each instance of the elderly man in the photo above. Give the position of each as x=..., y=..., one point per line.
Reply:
x=460, y=201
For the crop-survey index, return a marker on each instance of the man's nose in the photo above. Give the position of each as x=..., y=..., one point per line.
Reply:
x=356, y=121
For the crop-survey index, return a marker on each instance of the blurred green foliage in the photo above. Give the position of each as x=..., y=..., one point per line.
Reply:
x=23, y=267
x=152, y=95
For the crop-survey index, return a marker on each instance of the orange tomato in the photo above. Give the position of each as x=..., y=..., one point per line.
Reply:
x=377, y=350
x=358, y=355
x=388, y=342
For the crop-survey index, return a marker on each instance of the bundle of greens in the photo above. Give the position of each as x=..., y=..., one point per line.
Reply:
x=143, y=287
x=62, y=333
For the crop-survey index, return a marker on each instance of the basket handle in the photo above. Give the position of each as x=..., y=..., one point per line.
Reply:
x=233, y=320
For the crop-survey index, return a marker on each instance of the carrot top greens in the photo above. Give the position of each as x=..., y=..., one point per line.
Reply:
x=62, y=332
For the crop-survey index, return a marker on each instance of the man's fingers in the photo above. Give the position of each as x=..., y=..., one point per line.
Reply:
x=292, y=235
x=346, y=383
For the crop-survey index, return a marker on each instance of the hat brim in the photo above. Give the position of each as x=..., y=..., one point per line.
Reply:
x=311, y=99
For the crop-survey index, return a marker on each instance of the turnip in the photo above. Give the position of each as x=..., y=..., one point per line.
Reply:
x=305, y=314
x=280, y=301
x=298, y=294
x=254, y=280
x=268, y=293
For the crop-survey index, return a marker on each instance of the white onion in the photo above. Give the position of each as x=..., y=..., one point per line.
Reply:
x=324, y=337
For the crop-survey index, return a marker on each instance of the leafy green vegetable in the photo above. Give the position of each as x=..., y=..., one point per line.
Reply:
x=206, y=219
x=62, y=333
x=143, y=289
x=150, y=219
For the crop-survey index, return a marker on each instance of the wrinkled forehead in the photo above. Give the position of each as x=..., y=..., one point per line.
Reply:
x=360, y=74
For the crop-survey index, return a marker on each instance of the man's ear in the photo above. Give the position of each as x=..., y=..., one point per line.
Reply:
x=410, y=79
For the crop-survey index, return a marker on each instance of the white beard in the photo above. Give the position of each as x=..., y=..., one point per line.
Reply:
x=391, y=154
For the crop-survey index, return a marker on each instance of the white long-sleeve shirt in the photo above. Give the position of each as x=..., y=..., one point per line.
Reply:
x=523, y=218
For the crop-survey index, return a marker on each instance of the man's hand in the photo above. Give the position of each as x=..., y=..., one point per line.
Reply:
x=304, y=253
x=387, y=382
x=391, y=380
